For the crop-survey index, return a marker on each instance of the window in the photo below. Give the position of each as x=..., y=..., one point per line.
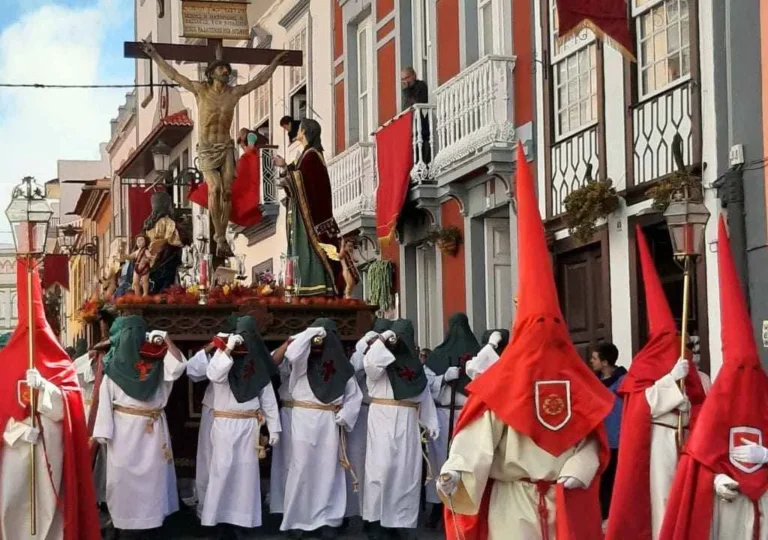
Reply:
x=364, y=79
x=117, y=207
x=423, y=55
x=297, y=75
x=664, y=50
x=574, y=79
x=485, y=19
x=146, y=70
x=262, y=104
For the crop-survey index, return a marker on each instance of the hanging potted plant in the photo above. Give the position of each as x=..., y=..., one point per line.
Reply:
x=447, y=239
x=584, y=207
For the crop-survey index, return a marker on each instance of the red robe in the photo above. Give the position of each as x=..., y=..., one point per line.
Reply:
x=246, y=191
x=78, y=499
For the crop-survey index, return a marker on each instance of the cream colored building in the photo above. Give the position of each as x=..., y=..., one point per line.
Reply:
x=8, y=294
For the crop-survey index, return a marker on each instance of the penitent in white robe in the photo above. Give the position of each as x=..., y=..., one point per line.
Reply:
x=664, y=400
x=488, y=449
x=197, y=367
x=735, y=520
x=357, y=439
x=393, y=458
x=437, y=450
x=315, y=487
x=280, y=452
x=14, y=473
x=141, y=479
x=234, y=487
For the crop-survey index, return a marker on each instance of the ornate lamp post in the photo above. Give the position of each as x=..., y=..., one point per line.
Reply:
x=29, y=215
x=686, y=218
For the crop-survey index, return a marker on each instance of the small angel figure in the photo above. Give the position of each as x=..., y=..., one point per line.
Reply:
x=142, y=259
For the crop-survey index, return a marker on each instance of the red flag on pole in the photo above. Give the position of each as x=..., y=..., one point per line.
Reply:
x=608, y=19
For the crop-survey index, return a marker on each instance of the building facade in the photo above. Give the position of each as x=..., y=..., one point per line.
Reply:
x=9, y=301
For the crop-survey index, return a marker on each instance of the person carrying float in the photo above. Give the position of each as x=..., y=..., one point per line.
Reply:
x=139, y=372
x=524, y=463
x=653, y=402
x=400, y=402
x=243, y=400
x=326, y=400
x=720, y=491
x=65, y=502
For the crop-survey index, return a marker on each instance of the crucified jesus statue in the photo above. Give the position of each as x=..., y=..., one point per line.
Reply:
x=216, y=101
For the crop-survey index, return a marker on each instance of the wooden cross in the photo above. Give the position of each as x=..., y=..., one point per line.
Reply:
x=213, y=50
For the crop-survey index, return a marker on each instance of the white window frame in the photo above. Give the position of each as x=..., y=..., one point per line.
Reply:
x=262, y=104
x=423, y=42
x=365, y=95
x=298, y=40
x=481, y=6
x=561, y=52
x=643, y=8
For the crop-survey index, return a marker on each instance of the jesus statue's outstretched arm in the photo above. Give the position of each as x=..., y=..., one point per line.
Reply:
x=168, y=69
x=260, y=79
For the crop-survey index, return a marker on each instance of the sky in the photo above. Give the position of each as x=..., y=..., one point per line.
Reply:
x=58, y=42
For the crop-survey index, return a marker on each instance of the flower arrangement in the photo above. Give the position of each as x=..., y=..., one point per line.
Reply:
x=595, y=200
x=447, y=239
x=89, y=311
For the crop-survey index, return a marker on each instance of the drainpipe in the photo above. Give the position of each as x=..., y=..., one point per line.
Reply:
x=730, y=191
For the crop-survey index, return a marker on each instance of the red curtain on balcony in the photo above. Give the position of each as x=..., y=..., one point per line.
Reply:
x=246, y=191
x=139, y=208
x=394, y=160
x=55, y=271
x=608, y=19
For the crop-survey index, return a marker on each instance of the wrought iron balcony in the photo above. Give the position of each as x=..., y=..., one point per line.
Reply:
x=474, y=114
x=353, y=185
x=423, y=143
x=269, y=176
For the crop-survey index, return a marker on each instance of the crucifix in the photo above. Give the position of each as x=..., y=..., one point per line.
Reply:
x=216, y=101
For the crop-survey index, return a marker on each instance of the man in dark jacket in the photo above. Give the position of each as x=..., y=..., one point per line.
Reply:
x=603, y=363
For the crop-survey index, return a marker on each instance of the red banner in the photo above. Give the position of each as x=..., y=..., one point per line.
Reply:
x=394, y=160
x=608, y=19
x=139, y=208
x=55, y=271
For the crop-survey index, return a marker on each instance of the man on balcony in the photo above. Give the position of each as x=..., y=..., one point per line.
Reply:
x=415, y=91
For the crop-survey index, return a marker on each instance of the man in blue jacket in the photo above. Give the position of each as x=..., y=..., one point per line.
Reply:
x=603, y=363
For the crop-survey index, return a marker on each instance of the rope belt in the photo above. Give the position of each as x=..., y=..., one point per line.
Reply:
x=152, y=415
x=455, y=407
x=423, y=432
x=542, y=487
x=343, y=457
x=257, y=415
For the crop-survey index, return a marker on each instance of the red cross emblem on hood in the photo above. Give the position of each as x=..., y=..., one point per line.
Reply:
x=328, y=370
x=143, y=367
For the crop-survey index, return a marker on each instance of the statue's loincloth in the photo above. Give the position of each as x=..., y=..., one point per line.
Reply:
x=213, y=155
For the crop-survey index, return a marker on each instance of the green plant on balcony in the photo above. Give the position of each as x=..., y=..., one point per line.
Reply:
x=684, y=179
x=584, y=207
x=447, y=239
x=380, y=281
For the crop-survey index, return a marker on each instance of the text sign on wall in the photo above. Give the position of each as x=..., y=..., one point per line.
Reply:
x=214, y=19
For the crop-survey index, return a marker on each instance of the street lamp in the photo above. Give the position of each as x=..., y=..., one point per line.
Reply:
x=686, y=218
x=161, y=157
x=68, y=236
x=29, y=215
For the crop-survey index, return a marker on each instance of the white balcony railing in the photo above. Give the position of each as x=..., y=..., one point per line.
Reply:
x=423, y=143
x=475, y=111
x=269, y=174
x=353, y=182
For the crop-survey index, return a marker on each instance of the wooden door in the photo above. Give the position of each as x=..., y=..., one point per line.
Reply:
x=584, y=289
x=498, y=273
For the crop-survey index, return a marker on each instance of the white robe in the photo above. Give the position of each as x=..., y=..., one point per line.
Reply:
x=357, y=439
x=87, y=379
x=14, y=473
x=489, y=449
x=734, y=520
x=664, y=398
x=141, y=482
x=280, y=452
x=437, y=450
x=234, y=486
x=197, y=367
x=393, y=458
x=315, y=487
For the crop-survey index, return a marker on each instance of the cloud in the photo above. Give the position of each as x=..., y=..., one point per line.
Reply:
x=57, y=44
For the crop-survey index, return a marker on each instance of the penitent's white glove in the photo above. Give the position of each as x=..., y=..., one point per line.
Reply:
x=34, y=379
x=448, y=482
x=30, y=435
x=726, y=487
x=451, y=374
x=340, y=420
x=570, y=482
x=274, y=438
x=680, y=371
x=388, y=335
x=495, y=339
x=750, y=452
x=433, y=433
x=233, y=341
